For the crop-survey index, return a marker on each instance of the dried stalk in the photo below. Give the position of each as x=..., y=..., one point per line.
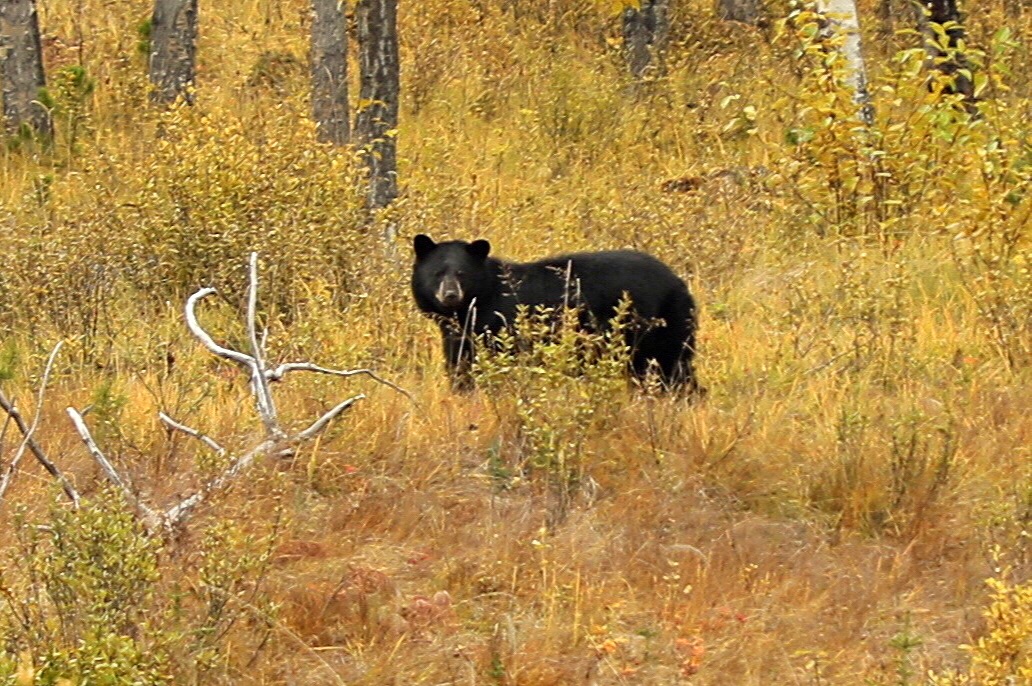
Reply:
x=28, y=442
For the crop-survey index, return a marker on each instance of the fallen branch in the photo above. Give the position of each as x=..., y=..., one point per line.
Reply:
x=28, y=442
x=320, y=424
x=276, y=441
x=177, y=514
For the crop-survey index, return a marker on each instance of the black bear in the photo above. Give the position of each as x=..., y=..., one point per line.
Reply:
x=472, y=295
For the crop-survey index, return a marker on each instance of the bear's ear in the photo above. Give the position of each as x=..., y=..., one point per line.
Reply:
x=423, y=244
x=479, y=249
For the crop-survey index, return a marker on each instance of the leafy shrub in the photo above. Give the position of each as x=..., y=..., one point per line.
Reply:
x=1003, y=654
x=560, y=384
x=92, y=599
x=211, y=191
x=79, y=608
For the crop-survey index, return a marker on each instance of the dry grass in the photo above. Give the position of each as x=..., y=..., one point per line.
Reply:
x=827, y=515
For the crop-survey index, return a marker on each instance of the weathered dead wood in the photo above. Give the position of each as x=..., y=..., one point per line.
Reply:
x=281, y=371
x=151, y=519
x=277, y=441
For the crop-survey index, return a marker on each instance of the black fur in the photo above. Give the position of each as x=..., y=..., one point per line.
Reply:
x=491, y=289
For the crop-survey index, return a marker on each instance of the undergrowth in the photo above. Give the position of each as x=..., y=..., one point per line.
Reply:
x=831, y=511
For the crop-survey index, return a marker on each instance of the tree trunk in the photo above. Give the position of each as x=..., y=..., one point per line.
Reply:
x=645, y=33
x=944, y=57
x=745, y=11
x=377, y=119
x=330, y=72
x=842, y=18
x=173, y=49
x=21, y=69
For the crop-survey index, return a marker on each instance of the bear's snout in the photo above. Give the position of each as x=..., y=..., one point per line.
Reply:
x=449, y=292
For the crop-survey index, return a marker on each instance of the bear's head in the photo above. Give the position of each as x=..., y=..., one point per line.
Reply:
x=447, y=276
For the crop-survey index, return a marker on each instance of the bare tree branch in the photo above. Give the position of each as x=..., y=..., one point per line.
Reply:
x=320, y=424
x=150, y=518
x=28, y=442
x=276, y=441
x=177, y=514
x=266, y=406
x=202, y=335
x=282, y=370
x=203, y=438
x=13, y=466
x=263, y=398
x=3, y=431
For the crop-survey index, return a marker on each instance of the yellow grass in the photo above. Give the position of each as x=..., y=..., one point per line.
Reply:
x=860, y=466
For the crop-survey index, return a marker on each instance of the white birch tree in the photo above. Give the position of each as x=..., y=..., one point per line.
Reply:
x=842, y=18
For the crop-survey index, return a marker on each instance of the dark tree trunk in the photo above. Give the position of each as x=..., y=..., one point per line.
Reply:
x=173, y=49
x=330, y=72
x=21, y=69
x=746, y=11
x=645, y=33
x=944, y=58
x=377, y=119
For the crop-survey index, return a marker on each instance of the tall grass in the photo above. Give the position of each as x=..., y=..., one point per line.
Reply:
x=828, y=514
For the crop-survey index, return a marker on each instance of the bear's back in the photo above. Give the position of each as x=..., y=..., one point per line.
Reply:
x=599, y=279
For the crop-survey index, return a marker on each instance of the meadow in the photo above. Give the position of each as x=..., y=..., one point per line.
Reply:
x=849, y=504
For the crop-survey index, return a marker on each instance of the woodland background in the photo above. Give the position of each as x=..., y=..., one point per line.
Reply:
x=850, y=504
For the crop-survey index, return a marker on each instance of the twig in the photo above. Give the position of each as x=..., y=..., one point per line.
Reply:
x=203, y=438
x=320, y=423
x=282, y=370
x=3, y=432
x=28, y=442
x=13, y=466
x=151, y=519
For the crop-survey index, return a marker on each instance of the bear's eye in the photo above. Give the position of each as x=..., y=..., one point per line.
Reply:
x=460, y=273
